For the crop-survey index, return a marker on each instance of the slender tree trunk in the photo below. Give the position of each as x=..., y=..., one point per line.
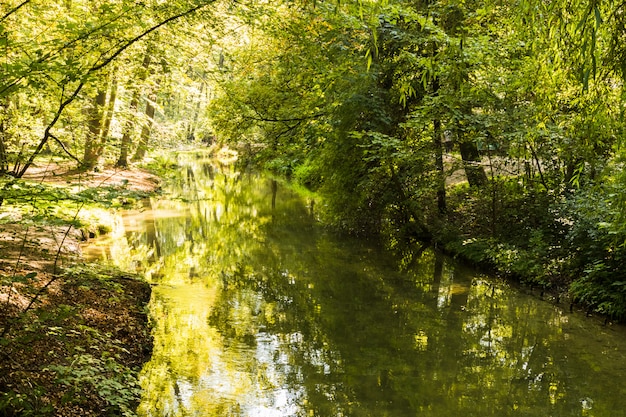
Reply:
x=142, y=146
x=4, y=161
x=441, y=186
x=90, y=157
x=538, y=163
x=108, y=116
x=470, y=155
x=122, y=161
x=191, y=132
x=438, y=145
x=100, y=124
x=571, y=164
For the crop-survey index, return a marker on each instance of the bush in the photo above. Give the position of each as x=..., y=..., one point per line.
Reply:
x=308, y=175
x=105, y=377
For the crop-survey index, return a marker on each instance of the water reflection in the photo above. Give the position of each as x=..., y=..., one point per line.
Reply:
x=258, y=312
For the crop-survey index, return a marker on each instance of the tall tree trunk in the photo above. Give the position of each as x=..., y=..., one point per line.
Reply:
x=470, y=155
x=191, y=131
x=92, y=141
x=142, y=146
x=110, y=110
x=122, y=161
x=100, y=124
x=4, y=161
x=438, y=145
x=441, y=186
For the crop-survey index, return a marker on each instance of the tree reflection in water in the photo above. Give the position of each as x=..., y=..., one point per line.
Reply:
x=259, y=312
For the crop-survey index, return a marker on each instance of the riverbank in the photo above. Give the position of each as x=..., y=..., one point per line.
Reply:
x=562, y=246
x=73, y=335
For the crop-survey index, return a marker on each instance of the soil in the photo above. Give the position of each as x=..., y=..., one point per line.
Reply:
x=69, y=331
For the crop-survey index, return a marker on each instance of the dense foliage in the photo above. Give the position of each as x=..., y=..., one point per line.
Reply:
x=493, y=129
x=77, y=76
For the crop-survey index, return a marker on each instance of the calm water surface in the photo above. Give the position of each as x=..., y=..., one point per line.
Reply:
x=257, y=311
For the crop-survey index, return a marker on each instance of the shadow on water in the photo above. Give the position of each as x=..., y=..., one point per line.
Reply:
x=259, y=312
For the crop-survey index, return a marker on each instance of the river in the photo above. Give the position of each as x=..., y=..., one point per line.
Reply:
x=259, y=311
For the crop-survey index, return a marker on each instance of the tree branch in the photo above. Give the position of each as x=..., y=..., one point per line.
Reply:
x=15, y=9
x=10, y=84
x=286, y=120
x=47, y=133
x=62, y=145
x=146, y=33
x=289, y=129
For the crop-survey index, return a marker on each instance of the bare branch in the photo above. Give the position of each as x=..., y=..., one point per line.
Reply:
x=47, y=133
x=62, y=145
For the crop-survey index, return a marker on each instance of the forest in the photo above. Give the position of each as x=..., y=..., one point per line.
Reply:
x=491, y=130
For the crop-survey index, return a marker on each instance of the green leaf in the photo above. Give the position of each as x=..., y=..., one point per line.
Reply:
x=599, y=20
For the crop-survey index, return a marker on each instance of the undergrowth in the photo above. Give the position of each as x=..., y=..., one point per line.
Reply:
x=78, y=355
x=565, y=243
x=72, y=336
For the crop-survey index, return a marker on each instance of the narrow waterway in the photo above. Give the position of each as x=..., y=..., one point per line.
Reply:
x=257, y=311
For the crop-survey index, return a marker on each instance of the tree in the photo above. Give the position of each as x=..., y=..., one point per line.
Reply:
x=94, y=140
x=136, y=84
x=99, y=121
x=66, y=56
x=379, y=83
x=150, y=99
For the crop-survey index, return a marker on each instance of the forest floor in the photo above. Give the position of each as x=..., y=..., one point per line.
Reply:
x=73, y=335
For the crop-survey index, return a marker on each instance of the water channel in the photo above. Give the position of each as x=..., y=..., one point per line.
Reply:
x=258, y=311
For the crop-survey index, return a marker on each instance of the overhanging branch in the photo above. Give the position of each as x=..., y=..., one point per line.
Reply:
x=285, y=120
x=146, y=33
x=47, y=133
x=15, y=9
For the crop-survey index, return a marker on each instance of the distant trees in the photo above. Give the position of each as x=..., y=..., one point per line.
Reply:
x=365, y=106
x=389, y=82
x=61, y=66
